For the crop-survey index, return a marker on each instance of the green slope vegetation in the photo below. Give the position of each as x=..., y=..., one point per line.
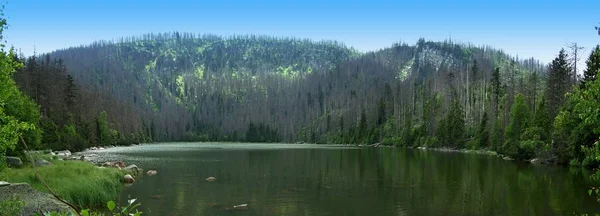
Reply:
x=181, y=87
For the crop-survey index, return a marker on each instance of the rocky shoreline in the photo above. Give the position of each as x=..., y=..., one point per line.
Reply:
x=37, y=201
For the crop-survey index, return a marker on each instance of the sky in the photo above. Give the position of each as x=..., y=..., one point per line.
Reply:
x=527, y=28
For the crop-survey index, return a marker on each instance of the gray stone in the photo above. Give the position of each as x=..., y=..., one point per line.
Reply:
x=65, y=153
x=35, y=201
x=535, y=161
x=507, y=158
x=128, y=179
x=133, y=168
x=14, y=162
x=41, y=162
x=3, y=183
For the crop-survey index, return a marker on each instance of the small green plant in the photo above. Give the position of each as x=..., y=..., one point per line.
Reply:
x=11, y=206
x=129, y=209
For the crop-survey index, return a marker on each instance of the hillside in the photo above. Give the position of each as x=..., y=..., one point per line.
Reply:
x=265, y=89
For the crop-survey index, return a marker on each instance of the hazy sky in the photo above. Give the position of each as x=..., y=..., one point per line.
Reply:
x=528, y=28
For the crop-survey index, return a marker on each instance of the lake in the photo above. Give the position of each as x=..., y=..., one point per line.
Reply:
x=297, y=179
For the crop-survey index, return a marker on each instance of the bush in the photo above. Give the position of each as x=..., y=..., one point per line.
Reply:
x=591, y=155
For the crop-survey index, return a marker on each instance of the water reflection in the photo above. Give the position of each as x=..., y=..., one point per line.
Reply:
x=339, y=181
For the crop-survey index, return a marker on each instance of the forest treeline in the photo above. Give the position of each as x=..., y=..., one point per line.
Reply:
x=185, y=87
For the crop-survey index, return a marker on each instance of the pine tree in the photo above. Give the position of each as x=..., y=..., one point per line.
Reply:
x=558, y=82
x=542, y=119
x=593, y=67
x=519, y=118
x=483, y=135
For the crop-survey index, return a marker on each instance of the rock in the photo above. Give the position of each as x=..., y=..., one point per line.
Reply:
x=128, y=179
x=14, y=162
x=3, y=183
x=151, y=172
x=241, y=206
x=100, y=148
x=35, y=201
x=94, y=148
x=65, y=153
x=211, y=179
x=52, y=153
x=118, y=164
x=133, y=168
x=41, y=162
x=507, y=158
x=535, y=161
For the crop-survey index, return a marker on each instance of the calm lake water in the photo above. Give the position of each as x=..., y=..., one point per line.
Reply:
x=288, y=179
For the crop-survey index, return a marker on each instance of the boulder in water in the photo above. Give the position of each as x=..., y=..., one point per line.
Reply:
x=211, y=179
x=133, y=168
x=128, y=179
x=151, y=172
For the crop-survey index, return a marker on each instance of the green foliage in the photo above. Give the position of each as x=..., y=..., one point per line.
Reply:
x=18, y=114
x=261, y=133
x=559, y=82
x=483, y=134
x=451, y=130
x=542, y=120
x=591, y=155
x=11, y=206
x=519, y=118
x=81, y=183
x=104, y=133
x=593, y=67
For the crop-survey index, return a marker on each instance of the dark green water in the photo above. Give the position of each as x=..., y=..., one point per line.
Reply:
x=278, y=179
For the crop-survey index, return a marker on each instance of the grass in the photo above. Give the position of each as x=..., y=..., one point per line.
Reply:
x=78, y=182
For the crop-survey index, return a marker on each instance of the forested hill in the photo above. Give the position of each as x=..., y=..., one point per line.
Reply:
x=266, y=89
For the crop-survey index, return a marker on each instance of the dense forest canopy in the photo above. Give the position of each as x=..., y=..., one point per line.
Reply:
x=186, y=87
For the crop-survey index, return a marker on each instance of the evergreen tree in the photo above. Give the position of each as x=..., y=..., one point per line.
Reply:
x=558, y=82
x=519, y=118
x=542, y=119
x=593, y=67
x=483, y=134
x=104, y=134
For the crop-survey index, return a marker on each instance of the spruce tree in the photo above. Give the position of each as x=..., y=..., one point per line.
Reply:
x=558, y=82
x=593, y=67
x=519, y=118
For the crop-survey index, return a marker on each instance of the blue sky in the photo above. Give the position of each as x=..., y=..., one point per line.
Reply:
x=532, y=28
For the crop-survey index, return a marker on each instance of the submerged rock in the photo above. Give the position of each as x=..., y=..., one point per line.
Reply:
x=35, y=201
x=211, y=179
x=41, y=162
x=535, y=161
x=128, y=179
x=241, y=206
x=151, y=172
x=14, y=162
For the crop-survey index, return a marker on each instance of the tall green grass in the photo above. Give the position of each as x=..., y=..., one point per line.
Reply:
x=80, y=183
